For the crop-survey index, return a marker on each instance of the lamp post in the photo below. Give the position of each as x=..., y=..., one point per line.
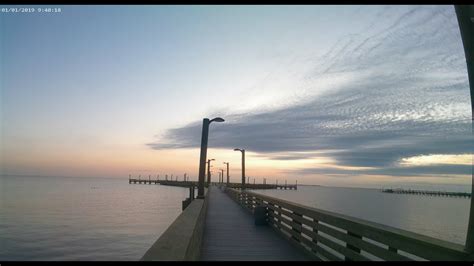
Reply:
x=209, y=171
x=243, y=166
x=464, y=14
x=222, y=175
x=227, y=172
x=202, y=159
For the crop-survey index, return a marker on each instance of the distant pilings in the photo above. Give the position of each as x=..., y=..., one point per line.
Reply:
x=166, y=181
x=427, y=192
x=185, y=182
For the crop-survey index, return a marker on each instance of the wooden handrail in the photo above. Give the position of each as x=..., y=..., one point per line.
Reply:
x=333, y=236
x=183, y=238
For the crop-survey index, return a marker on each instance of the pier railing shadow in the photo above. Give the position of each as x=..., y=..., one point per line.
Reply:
x=334, y=237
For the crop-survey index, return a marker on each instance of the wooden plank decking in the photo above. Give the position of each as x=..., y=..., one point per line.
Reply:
x=230, y=234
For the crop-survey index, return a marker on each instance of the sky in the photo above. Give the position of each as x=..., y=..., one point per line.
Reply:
x=333, y=95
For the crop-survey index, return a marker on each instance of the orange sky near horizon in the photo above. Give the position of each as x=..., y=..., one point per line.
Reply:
x=120, y=161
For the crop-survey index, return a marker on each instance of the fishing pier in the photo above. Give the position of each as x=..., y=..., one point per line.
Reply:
x=240, y=224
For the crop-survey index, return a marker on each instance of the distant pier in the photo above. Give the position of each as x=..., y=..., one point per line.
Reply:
x=427, y=192
x=188, y=183
x=162, y=182
x=263, y=186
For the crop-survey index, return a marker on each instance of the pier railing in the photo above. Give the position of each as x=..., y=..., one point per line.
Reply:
x=183, y=238
x=332, y=236
x=262, y=186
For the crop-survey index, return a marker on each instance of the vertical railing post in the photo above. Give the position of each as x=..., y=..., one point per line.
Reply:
x=246, y=202
x=249, y=202
x=315, y=231
x=271, y=219
x=295, y=229
x=351, y=247
x=252, y=199
x=279, y=217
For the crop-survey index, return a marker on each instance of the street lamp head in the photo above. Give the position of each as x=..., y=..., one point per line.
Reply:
x=217, y=119
x=237, y=149
x=212, y=159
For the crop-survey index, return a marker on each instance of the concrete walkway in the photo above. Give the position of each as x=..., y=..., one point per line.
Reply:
x=230, y=234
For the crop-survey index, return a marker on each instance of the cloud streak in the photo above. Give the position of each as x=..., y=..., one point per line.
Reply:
x=405, y=94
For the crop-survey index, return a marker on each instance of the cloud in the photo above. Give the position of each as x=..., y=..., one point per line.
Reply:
x=444, y=170
x=407, y=95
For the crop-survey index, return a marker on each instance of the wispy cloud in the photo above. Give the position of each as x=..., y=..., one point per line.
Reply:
x=405, y=94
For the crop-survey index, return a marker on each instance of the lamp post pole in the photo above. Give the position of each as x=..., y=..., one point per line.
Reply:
x=464, y=14
x=209, y=171
x=203, y=156
x=227, y=172
x=243, y=166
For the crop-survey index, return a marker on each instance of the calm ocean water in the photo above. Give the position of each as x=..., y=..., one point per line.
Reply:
x=54, y=218
x=445, y=218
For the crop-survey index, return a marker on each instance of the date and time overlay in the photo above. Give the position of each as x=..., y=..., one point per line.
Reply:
x=24, y=10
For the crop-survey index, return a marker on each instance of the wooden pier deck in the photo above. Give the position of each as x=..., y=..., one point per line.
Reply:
x=231, y=234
